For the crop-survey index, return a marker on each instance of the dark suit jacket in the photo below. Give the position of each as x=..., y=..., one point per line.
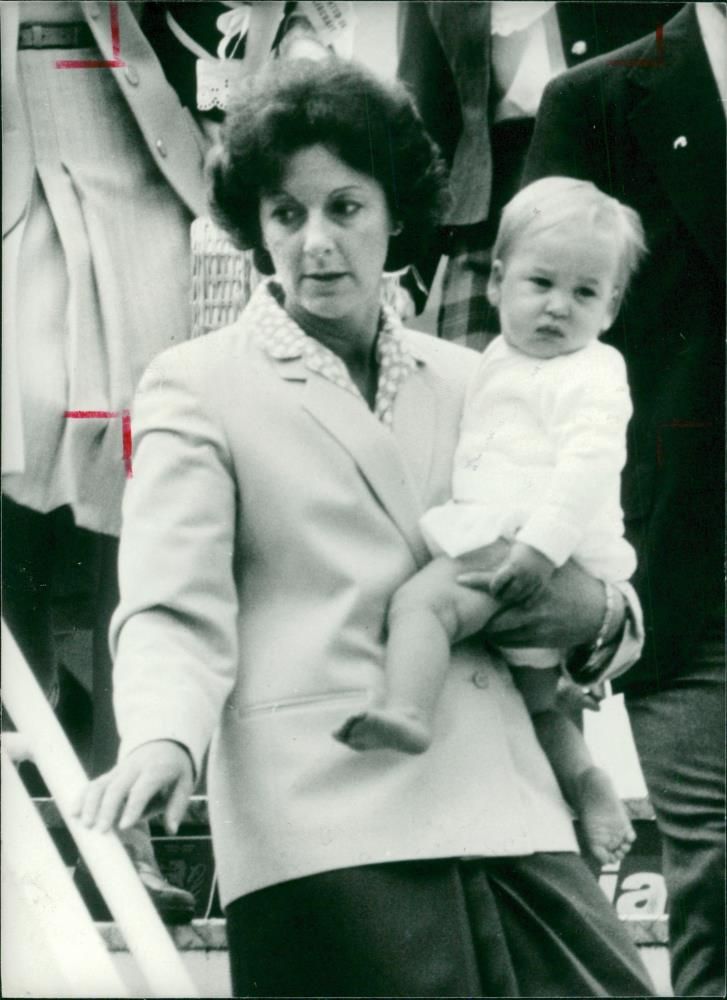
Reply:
x=444, y=59
x=653, y=135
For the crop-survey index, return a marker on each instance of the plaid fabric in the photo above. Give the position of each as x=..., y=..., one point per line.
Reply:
x=465, y=315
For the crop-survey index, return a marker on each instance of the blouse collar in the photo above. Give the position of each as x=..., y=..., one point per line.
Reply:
x=280, y=337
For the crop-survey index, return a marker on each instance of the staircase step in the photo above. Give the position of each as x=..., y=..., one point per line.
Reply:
x=209, y=935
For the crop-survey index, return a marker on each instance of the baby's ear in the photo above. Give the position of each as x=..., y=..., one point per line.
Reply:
x=613, y=308
x=494, y=282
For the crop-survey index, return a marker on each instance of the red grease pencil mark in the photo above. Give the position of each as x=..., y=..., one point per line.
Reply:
x=126, y=441
x=109, y=415
x=659, y=61
x=92, y=414
x=115, y=63
x=678, y=424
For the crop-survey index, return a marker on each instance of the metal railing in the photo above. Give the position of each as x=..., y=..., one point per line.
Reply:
x=41, y=896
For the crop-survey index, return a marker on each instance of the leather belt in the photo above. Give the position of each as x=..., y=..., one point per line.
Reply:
x=74, y=35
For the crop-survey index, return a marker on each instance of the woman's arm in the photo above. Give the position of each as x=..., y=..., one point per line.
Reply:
x=569, y=614
x=174, y=634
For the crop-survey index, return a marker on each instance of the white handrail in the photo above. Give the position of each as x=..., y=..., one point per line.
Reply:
x=43, y=902
x=108, y=862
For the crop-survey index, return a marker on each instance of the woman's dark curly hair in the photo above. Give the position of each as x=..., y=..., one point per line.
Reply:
x=372, y=126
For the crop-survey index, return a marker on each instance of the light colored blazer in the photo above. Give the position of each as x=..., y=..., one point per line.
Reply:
x=269, y=520
x=174, y=139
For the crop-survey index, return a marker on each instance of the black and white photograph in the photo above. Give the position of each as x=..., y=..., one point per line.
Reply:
x=363, y=498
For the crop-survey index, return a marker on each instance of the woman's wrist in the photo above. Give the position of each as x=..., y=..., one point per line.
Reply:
x=611, y=622
x=613, y=626
x=586, y=660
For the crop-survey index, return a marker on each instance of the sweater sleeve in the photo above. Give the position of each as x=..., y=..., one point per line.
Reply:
x=589, y=409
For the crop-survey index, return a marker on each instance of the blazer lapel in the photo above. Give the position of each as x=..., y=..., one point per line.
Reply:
x=175, y=141
x=346, y=418
x=680, y=126
x=376, y=452
x=415, y=420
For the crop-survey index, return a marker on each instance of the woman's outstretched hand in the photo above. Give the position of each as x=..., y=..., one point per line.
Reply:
x=156, y=778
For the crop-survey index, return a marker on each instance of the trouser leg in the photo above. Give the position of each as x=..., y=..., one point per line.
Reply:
x=105, y=735
x=679, y=735
x=27, y=572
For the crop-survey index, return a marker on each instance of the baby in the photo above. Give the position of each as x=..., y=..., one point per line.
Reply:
x=541, y=448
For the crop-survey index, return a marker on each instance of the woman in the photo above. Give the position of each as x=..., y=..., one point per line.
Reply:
x=281, y=466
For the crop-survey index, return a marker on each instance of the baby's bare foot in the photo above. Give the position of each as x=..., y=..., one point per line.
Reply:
x=606, y=826
x=393, y=728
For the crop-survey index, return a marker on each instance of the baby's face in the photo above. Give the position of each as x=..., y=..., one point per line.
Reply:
x=556, y=292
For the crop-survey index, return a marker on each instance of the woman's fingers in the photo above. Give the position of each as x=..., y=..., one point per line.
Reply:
x=157, y=777
x=89, y=802
x=177, y=804
x=115, y=798
x=477, y=579
x=140, y=794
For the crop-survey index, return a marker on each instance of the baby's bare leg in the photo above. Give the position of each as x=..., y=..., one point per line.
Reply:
x=427, y=614
x=605, y=824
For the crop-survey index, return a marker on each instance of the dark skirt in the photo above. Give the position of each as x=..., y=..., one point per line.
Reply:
x=536, y=926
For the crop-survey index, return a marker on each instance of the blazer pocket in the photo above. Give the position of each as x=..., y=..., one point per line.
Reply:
x=300, y=701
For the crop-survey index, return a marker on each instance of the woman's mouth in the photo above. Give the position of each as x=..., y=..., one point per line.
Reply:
x=325, y=277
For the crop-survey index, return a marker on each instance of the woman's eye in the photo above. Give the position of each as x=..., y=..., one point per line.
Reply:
x=346, y=208
x=285, y=214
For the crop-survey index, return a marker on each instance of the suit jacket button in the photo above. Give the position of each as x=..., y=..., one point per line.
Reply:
x=480, y=679
x=161, y=147
x=579, y=48
x=93, y=10
x=132, y=75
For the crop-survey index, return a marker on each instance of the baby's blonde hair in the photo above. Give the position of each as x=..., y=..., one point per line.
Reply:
x=552, y=201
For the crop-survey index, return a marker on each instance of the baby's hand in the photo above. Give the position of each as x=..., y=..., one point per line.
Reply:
x=522, y=576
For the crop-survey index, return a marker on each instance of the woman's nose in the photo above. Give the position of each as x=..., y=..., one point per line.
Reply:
x=317, y=238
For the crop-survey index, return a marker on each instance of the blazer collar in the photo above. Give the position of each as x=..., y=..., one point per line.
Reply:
x=394, y=462
x=282, y=339
x=679, y=124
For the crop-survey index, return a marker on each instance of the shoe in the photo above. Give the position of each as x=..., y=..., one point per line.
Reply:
x=174, y=905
